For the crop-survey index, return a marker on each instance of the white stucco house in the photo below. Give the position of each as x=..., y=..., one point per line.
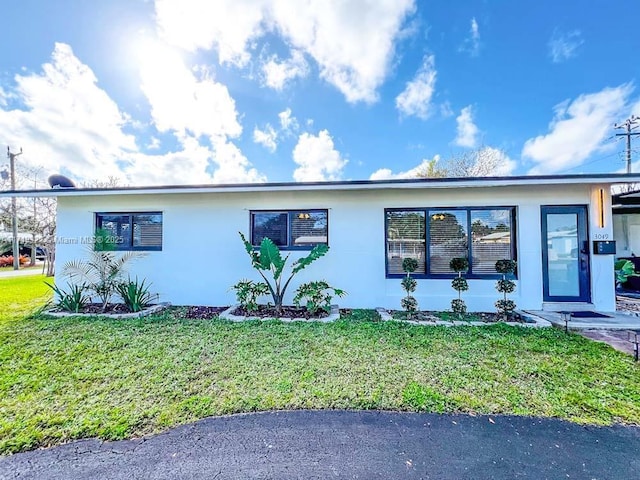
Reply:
x=548, y=224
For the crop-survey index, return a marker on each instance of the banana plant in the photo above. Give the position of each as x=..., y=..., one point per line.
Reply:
x=269, y=259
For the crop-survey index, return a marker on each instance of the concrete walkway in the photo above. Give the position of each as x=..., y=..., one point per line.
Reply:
x=348, y=444
x=10, y=272
x=613, y=321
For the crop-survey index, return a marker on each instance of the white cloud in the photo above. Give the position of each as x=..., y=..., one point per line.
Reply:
x=3, y=98
x=387, y=173
x=182, y=102
x=267, y=137
x=66, y=120
x=70, y=125
x=317, y=158
x=467, y=130
x=577, y=130
x=354, y=56
x=233, y=166
x=278, y=73
x=446, y=110
x=416, y=98
x=288, y=123
x=563, y=46
x=472, y=42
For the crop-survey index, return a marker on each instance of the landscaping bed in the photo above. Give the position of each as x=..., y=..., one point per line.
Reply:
x=267, y=311
x=435, y=316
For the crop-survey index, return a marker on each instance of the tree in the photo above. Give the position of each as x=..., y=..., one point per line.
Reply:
x=481, y=162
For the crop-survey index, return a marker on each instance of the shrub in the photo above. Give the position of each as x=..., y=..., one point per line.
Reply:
x=269, y=259
x=72, y=300
x=318, y=296
x=135, y=295
x=459, y=284
x=247, y=293
x=7, y=260
x=624, y=269
x=409, y=284
x=101, y=273
x=504, y=286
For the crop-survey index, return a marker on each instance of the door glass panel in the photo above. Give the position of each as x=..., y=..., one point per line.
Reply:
x=563, y=259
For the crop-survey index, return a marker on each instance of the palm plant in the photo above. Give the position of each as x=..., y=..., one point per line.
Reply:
x=102, y=272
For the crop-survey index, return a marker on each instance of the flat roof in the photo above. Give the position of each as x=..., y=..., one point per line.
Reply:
x=461, y=182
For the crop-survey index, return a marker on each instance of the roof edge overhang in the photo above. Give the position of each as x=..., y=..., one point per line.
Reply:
x=436, y=183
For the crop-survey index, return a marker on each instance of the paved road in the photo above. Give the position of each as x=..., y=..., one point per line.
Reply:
x=350, y=445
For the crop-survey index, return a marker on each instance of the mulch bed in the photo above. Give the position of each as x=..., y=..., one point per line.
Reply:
x=203, y=313
x=112, y=308
x=287, y=312
x=430, y=316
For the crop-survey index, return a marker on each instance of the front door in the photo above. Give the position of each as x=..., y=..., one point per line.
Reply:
x=565, y=254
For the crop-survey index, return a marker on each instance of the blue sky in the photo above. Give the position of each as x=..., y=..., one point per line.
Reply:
x=193, y=91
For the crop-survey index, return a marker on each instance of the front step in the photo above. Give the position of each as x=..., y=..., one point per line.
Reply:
x=568, y=307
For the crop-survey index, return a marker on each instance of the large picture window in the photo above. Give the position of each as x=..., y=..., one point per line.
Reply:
x=132, y=231
x=433, y=236
x=290, y=229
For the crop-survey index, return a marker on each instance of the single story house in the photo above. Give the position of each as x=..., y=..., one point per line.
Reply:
x=559, y=230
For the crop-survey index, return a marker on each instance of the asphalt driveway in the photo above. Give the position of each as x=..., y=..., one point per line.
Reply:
x=354, y=445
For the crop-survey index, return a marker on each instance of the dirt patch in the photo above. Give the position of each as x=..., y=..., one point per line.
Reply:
x=265, y=311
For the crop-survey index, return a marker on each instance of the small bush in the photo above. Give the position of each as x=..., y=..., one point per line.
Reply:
x=7, y=260
x=409, y=285
x=318, y=296
x=505, y=266
x=458, y=307
x=459, y=264
x=409, y=265
x=247, y=293
x=505, y=286
x=410, y=304
x=460, y=284
x=73, y=300
x=135, y=294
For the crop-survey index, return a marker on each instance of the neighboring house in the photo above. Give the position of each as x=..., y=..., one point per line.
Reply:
x=194, y=254
x=626, y=224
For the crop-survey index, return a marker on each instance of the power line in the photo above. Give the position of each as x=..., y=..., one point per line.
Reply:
x=628, y=125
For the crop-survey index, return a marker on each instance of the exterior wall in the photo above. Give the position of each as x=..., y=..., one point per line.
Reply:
x=203, y=256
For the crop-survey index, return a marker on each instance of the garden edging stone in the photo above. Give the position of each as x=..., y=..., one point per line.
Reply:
x=531, y=321
x=227, y=315
x=116, y=316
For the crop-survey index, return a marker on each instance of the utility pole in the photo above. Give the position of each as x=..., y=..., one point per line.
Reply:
x=14, y=208
x=628, y=125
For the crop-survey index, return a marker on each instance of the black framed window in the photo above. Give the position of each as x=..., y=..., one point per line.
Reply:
x=290, y=229
x=434, y=236
x=132, y=231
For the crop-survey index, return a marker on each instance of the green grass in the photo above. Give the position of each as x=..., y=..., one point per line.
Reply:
x=62, y=379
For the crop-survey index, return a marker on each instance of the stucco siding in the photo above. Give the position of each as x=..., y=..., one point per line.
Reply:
x=202, y=255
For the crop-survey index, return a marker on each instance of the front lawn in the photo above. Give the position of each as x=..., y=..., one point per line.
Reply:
x=72, y=378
